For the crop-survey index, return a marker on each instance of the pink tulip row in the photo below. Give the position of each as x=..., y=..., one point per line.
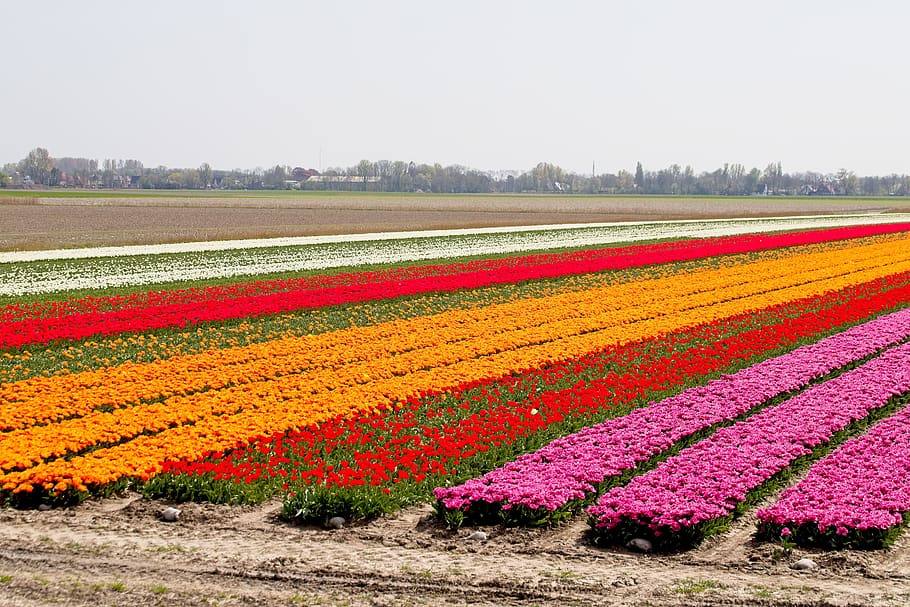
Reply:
x=679, y=501
x=568, y=470
x=857, y=496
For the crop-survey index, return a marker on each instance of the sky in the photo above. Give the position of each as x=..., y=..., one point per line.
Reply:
x=487, y=84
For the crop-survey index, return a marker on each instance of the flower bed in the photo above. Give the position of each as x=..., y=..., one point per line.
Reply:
x=80, y=318
x=587, y=349
x=856, y=497
x=444, y=349
x=570, y=470
x=696, y=492
x=146, y=265
x=480, y=425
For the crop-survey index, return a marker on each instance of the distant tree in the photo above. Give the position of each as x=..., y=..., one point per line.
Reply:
x=625, y=181
x=37, y=165
x=773, y=177
x=399, y=176
x=205, y=175
x=132, y=167
x=274, y=178
x=364, y=170
x=846, y=182
x=190, y=179
x=174, y=180
x=639, y=176
x=750, y=181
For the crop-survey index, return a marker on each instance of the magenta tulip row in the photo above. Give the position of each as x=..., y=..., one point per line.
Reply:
x=861, y=488
x=705, y=483
x=569, y=470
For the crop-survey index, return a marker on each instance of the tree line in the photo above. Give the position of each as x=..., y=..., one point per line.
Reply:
x=40, y=169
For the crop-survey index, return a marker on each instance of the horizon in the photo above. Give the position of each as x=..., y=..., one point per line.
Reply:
x=493, y=172
x=814, y=86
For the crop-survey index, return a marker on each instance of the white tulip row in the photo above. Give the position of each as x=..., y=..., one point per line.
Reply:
x=65, y=270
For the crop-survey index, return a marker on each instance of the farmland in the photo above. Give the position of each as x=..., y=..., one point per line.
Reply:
x=70, y=218
x=665, y=412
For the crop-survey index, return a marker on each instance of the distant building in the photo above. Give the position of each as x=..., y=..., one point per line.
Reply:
x=17, y=180
x=818, y=189
x=342, y=179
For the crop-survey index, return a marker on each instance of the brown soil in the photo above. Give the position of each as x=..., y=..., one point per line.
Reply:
x=44, y=223
x=116, y=552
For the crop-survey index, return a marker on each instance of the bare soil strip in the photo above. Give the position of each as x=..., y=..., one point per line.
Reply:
x=42, y=223
x=116, y=552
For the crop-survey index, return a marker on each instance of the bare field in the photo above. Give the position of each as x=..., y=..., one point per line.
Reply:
x=116, y=552
x=37, y=222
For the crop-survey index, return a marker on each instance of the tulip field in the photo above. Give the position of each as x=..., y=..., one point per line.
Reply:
x=659, y=380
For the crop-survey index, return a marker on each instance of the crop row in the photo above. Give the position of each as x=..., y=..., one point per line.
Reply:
x=42, y=322
x=858, y=496
x=101, y=270
x=696, y=492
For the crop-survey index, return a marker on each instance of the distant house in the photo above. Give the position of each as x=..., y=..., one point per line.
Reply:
x=818, y=189
x=342, y=179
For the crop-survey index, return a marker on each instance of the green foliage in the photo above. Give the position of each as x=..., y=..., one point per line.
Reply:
x=205, y=488
x=810, y=535
x=693, y=586
x=317, y=504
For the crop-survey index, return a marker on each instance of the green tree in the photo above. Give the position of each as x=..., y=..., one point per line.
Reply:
x=205, y=174
x=365, y=169
x=846, y=182
x=639, y=176
x=37, y=165
x=750, y=181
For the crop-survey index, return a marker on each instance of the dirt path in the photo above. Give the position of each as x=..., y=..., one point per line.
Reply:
x=116, y=552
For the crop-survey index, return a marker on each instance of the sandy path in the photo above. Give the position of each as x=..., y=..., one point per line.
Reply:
x=60, y=222
x=115, y=552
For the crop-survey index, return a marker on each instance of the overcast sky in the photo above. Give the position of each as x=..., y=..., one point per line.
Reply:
x=491, y=85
